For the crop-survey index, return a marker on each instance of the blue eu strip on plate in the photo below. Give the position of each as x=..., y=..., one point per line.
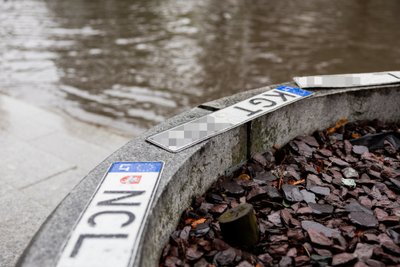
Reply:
x=136, y=167
x=294, y=90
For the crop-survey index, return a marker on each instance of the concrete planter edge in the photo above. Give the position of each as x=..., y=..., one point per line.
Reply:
x=192, y=171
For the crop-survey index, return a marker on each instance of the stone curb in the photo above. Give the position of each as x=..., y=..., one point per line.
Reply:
x=193, y=170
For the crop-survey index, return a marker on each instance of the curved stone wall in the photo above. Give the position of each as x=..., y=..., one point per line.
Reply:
x=193, y=170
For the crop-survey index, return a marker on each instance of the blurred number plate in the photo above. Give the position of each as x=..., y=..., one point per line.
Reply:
x=193, y=132
x=109, y=229
x=347, y=80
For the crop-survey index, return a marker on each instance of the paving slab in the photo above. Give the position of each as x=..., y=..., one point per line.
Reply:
x=20, y=218
x=24, y=122
x=95, y=135
x=23, y=164
x=5, y=188
x=50, y=192
x=73, y=150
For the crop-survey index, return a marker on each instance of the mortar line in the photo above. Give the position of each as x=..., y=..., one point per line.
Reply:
x=49, y=177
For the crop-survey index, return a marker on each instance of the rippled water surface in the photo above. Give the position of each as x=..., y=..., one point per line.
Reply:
x=132, y=64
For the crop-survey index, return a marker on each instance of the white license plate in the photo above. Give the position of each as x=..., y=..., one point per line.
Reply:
x=195, y=131
x=347, y=80
x=108, y=230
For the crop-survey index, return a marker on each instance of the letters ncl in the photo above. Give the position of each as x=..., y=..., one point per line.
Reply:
x=128, y=216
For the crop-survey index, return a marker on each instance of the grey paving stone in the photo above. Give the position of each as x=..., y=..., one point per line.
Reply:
x=23, y=164
x=20, y=218
x=96, y=135
x=50, y=192
x=28, y=122
x=70, y=149
x=5, y=188
x=15, y=205
x=24, y=128
x=25, y=122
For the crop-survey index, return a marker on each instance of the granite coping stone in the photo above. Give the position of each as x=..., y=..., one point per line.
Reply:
x=193, y=170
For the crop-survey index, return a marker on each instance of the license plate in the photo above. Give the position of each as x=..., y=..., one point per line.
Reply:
x=109, y=229
x=195, y=131
x=347, y=80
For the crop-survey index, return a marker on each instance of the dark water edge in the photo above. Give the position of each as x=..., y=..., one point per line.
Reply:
x=132, y=64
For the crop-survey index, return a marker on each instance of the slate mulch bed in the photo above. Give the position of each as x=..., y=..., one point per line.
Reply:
x=330, y=199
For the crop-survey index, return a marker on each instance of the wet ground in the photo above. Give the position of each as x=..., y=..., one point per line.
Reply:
x=131, y=64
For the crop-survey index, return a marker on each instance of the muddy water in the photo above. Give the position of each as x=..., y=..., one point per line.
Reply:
x=131, y=64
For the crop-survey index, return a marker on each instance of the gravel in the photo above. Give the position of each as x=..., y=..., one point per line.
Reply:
x=329, y=199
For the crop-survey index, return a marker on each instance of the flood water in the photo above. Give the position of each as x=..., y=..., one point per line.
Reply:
x=132, y=64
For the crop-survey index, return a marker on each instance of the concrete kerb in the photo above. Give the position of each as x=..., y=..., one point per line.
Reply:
x=193, y=170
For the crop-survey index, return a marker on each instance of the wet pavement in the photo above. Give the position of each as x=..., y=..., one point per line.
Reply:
x=140, y=62
x=43, y=156
x=330, y=199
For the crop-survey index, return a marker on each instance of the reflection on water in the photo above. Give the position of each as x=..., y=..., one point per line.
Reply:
x=132, y=64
